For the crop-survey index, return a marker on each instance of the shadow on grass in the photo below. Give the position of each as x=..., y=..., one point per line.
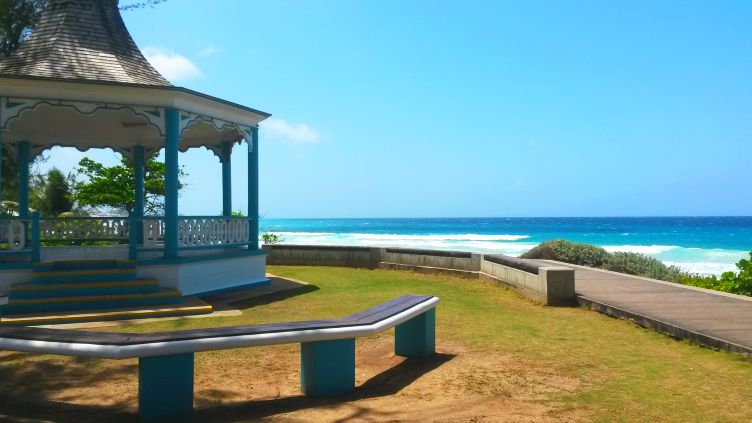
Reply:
x=26, y=387
x=384, y=384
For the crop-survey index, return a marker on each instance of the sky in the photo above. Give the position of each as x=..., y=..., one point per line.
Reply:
x=396, y=108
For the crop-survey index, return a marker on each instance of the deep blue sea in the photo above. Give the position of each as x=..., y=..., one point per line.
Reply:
x=707, y=245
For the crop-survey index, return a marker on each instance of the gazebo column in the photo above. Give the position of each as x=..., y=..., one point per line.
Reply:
x=1, y=169
x=253, y=189
x=226, y=155
x=172, y=142
x=24, y=160
x=138, y=209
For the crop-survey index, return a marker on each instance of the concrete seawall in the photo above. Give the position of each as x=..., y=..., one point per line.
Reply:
x=539, y=281
x=725, y=321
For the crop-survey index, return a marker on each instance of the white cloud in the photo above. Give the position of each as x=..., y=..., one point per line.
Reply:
x=297, y=133
x=210, y=50
x=171, y=65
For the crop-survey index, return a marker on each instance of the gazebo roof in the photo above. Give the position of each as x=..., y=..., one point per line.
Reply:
x=82, y=40
x=80, y=81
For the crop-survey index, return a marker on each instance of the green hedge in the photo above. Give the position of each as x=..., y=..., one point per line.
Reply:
x=642, y=265
x=569, y=252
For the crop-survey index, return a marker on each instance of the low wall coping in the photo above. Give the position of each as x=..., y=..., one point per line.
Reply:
x=315, y=247
x=515, y=263
x=437, y=253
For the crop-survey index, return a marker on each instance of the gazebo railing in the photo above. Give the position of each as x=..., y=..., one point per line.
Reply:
x=84, y=230
x=194, y=233
x=21, y=238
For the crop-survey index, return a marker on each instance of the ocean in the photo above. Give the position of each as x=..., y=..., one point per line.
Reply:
x=705, y=245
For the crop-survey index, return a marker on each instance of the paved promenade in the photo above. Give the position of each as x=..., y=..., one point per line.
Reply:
x=715, y=320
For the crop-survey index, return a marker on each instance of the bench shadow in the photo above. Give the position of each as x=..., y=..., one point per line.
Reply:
x=384, y=384
x=26, y=388
x=26, y=400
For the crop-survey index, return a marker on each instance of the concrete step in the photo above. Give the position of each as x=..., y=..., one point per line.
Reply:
x=31, y=291
x=58, y=277
x=61, y=265
x=162, y=297
x=188, y=306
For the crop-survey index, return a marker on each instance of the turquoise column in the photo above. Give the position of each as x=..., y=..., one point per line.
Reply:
x=1, y=167
x=138, y=209
x=24, y=160
x=172, y=141
x=36, y=242
x=226, y=155
x=253, y=189
x=417, y=336
x=327, y=368
x=165, y=388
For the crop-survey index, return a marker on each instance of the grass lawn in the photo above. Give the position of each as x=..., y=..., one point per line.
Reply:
x=502, y=358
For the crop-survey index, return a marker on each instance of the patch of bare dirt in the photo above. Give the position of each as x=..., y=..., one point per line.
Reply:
x=252, y=384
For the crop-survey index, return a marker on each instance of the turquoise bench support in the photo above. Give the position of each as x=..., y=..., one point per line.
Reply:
x=417, y=336
x=327, y=368
x=165, y=388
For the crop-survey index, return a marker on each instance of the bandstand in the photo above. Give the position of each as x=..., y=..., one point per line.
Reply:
x=80, y=81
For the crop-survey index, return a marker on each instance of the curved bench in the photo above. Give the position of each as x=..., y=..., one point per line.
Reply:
x=166, y=358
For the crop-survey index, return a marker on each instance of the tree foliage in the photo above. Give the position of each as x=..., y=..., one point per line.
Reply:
x=140, y=4
x=52, y=193
x=9, y=174
x=115, y=186
x=734, y=282
x=17, y=18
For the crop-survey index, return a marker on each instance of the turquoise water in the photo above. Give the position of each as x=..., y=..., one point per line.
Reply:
x=708, y=245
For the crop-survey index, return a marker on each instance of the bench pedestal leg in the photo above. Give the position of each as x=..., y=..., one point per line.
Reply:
x=327, y=368
x=417, y=336
x=165, y=388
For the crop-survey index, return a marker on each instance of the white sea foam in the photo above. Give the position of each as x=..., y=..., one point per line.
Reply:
x=448, y=237
x=641, y=249
x=704, y=268
x=704, y=261
x=693, y=260
x=471, y=242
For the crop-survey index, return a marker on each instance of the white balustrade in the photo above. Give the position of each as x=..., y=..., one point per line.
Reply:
x=13, y=232
x=213, y=231
x=153, y=232
x=79, y=229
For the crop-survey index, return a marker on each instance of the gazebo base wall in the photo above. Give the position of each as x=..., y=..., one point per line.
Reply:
x=196, y=273
x=202, y=274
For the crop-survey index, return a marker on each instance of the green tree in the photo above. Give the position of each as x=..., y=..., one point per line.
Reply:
x=17, y=18
x=115, y=186
x=9, y=174
x=52, y=194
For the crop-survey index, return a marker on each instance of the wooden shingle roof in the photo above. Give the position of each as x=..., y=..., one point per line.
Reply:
x=82, y=40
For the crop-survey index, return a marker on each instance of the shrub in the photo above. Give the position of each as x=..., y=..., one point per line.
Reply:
x=642, y=265
x=735, y=283
x=271, y=238
x=569, y=252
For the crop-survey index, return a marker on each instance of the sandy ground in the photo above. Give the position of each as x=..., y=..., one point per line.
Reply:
x=252, y=384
